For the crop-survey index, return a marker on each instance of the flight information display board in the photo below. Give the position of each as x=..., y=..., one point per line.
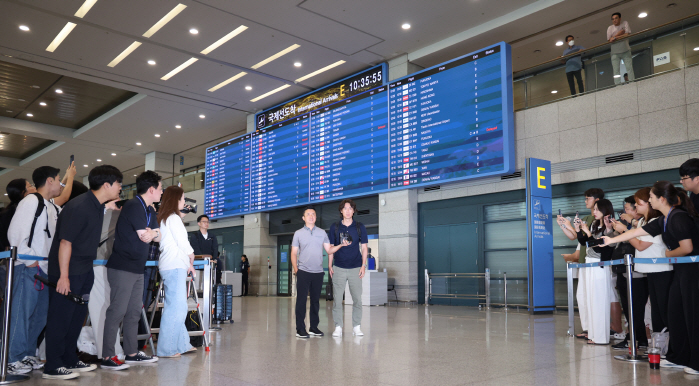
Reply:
x=360, y=136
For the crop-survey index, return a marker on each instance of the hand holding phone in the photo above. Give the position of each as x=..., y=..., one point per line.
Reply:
x=72, y=159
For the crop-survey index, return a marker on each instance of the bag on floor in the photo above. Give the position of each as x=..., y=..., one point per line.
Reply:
x=194, y=324
x=661, y=340
x=329, y=290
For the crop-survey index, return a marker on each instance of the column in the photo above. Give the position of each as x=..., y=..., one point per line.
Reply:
x=160, y=163
x=398, y=240
x=258, y=245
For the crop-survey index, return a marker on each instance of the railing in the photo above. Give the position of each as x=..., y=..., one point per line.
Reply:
x=430, y=287
x=547, y=82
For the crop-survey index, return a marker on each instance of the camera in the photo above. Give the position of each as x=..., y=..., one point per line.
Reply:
x=346, y=237
x=595, y=242
x=189, y=208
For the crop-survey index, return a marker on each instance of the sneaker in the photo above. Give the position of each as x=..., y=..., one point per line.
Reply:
x=669, y=365
x=691, y=371
x=617, y=335
x=302, y=334
x=141, y=357
x=82, y=367
x=338, y=332
x=356, y=331
x=17, y=368
x=113, y=363
x=33, y=362
x=623, y=345
x=59, y=373
x=315, y=332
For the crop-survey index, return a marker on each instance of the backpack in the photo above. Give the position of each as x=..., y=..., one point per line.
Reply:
x=39, y=209
x=337, y=232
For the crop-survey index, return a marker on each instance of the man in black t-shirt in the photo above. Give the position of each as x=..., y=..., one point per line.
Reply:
x=73, y=249
x=689, y=177
x=136, y=228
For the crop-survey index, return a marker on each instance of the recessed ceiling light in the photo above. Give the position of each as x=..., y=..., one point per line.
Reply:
x=201, y=180
x=42, y=103
x=696, y=48
x=6, y=194
x=297, y=64
x=166, y=19
x=131, y=48
x=84, y=166
x=276, y=56
x=228, y=81
x=314, y=73
x=59, y=91
x=151, y=62
x=60, y=37
x=99, y=160
x=202, y=116
x=138, y=143
x=193, y=31
x=157, y=136
x=24, y=28
x=30, y=114
x=179, y=68
x=113, y=154
x=265, y=95
x=224, y=39
x=405, y=26
x=642, y=15
x=135, y=175
x=85, y=8
x=617, y=76
x=559, y=43
x=250, y=87
x=178, y=127
x=554, y=91
x=35, y=86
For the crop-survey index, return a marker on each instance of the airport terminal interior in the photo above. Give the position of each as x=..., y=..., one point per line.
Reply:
x=464, y=132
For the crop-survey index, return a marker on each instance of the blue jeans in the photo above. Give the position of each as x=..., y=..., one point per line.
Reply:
x=30, y=306
x=173, y=337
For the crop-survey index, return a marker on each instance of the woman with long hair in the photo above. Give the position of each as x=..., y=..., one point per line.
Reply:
x=16, y=190
x=679, y=232
x=175, y=263
x=598, y=280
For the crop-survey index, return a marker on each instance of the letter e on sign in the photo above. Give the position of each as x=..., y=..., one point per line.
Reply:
x=539, y=177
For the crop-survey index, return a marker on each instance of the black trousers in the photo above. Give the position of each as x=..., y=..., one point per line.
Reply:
x=659, y=292
x=683, y=316
x=306, y=283
x=219, y=270
x=244, y=290
x=64, y=322
x=571, y=83
x=640, y=298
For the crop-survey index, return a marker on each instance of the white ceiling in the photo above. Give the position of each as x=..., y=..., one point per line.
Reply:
x=359, y=32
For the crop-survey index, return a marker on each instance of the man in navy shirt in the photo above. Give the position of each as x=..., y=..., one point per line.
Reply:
x=573, y=65
x=349, y=265
x=689, y=177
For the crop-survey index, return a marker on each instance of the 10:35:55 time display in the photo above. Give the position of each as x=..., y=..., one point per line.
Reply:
x=368, y=80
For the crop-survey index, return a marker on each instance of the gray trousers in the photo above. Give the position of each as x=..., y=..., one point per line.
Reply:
x=125, y=303
x=628, y=62
x=340, y=277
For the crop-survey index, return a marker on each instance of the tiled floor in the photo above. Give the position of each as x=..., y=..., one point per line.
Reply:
x=402, y=346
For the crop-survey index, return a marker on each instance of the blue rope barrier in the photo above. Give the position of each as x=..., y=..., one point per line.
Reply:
x=6, y=254
x=598, y=264
x=659, y=260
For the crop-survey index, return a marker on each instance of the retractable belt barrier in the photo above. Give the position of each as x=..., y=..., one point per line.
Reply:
x=12, y=256
x=628, y=260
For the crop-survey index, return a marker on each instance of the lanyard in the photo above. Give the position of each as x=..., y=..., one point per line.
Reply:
x=665, y=222
x=146, y=209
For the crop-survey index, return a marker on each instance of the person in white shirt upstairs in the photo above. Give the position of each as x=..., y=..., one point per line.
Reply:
x=30, y=299
x=617, y=34
x=176, y=262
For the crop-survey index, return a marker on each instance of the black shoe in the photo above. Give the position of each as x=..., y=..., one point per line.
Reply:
x=623, y=345
x=141, y=357
x=302, y=334
x=113, y=363
x=315, y=332
x=59, y=373
x=81, y=367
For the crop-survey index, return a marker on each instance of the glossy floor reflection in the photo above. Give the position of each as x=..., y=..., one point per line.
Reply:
x=415, y=345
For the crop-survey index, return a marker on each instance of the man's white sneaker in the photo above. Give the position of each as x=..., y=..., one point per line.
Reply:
x=17, y=368
x=357, y=331
x=338, y=332
x=669, y=365
x=33, y=362
x=691, y=371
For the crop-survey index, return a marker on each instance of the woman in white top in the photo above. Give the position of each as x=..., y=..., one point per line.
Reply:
x=659, y=275
x=176, y=262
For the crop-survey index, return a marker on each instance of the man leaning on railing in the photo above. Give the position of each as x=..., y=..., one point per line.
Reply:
x=617, y=34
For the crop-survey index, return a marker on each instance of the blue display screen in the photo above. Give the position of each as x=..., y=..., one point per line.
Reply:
x=447, y=123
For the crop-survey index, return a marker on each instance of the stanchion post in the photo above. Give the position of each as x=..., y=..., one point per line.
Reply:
x=212, y=269
x=571, y=300
x=487, y=288
x=207, y=298
x=634, y=357
x=504, y=275
x=6, y=378
x=427, y=288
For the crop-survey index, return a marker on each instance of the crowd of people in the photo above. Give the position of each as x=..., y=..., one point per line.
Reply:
x=617, y=35
x=657, y=222
x=63, y=224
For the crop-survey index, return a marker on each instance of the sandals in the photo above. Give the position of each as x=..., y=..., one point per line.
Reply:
x=170, y=356
x=581, y=336
x=193, y=349
x=590, y=342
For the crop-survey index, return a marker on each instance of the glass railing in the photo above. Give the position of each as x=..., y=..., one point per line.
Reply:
x=547, y=82
x=191, y=180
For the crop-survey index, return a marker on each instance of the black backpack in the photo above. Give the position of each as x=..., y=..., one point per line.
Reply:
x=40, y=208
x=337, y=232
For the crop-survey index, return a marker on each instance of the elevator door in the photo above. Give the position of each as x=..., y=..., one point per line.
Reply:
x=284, y=266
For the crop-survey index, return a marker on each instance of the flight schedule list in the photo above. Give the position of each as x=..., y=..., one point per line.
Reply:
x=446, y=123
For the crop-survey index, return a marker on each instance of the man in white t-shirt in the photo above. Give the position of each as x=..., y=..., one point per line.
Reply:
x=617, y=34
x=30, y=298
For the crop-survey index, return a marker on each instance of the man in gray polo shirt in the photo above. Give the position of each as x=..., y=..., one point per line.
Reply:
x=307, y=260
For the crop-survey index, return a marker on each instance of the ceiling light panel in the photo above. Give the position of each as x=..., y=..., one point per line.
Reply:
x=85, y=8
x=275, y=56
x=265, y=95
x=131, y=48
x=224, y=39
x=166, y=19
x=60, y=37
x=179, y=68
x=228, y=81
